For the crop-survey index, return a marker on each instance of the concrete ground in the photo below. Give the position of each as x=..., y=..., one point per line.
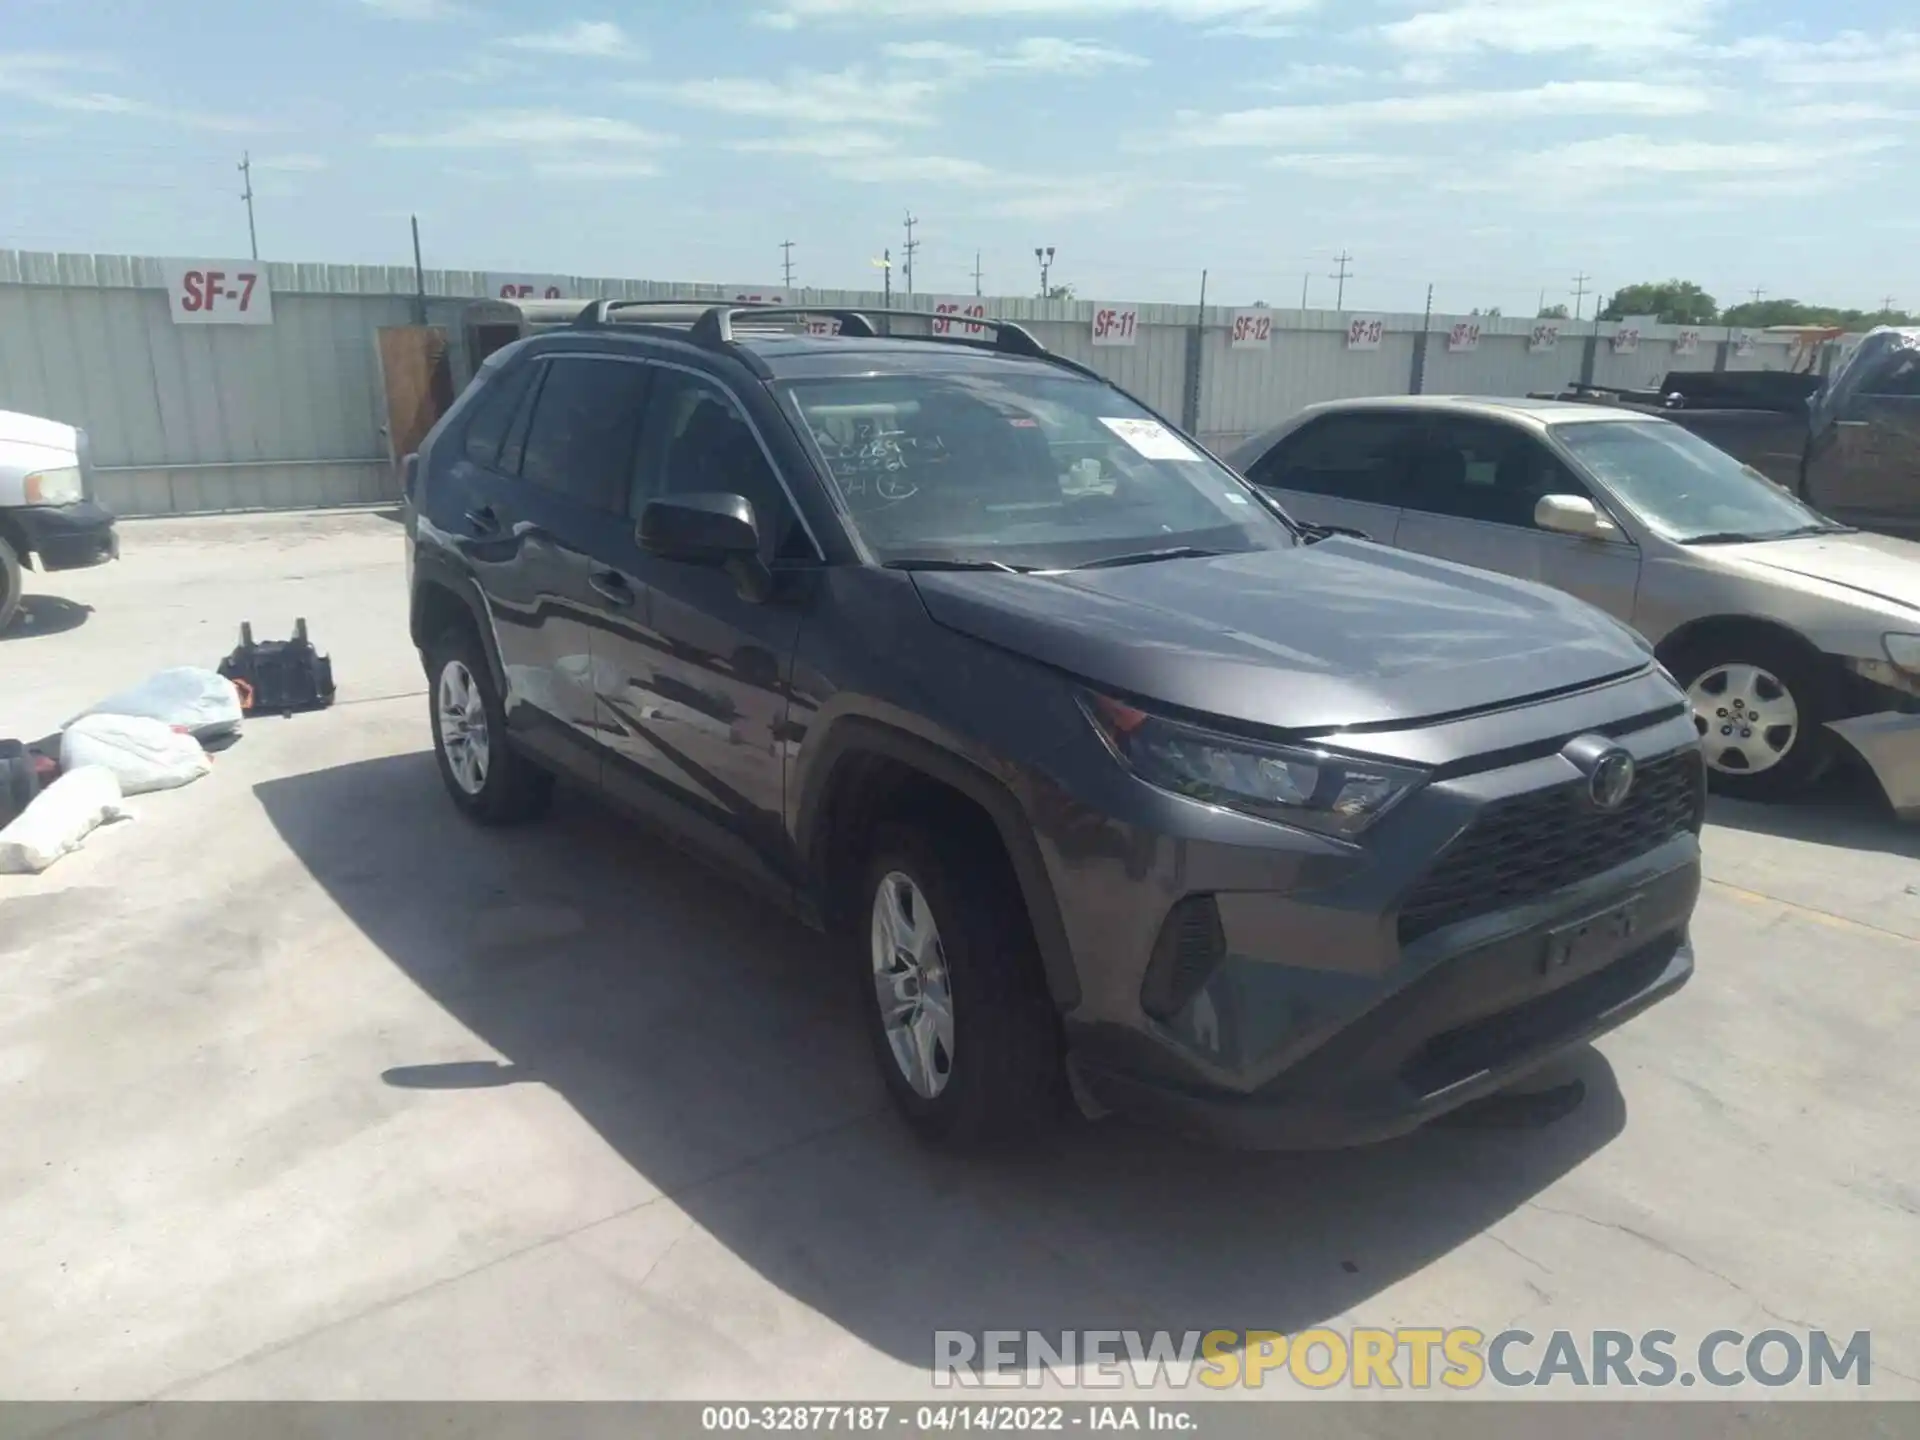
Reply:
x=310, y=1090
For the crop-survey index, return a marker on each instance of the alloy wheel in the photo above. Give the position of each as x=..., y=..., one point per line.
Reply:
x=465, y=737
x=911, y=986
x=1747, y=719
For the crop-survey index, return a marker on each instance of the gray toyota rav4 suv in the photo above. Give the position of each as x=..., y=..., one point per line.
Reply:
x=1117, y=781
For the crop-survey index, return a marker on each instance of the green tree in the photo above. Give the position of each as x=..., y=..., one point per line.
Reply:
x=1675, y=302
x=1555, y=312
x=1757, y=315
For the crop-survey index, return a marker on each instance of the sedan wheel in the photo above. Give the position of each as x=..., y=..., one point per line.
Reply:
x=911, y=986
x=464, y=734
x=1748, y=720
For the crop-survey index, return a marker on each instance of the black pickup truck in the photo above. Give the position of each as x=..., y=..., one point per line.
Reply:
x=1848, y=445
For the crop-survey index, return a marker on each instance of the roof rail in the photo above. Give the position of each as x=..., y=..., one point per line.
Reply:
x=716, y=326
x=600, y=312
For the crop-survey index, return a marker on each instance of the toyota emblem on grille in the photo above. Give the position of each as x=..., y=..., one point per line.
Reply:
x=1609, y=770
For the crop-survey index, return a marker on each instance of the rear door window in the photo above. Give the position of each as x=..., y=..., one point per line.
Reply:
x=1474, y=469
x=585, y=428
x=1355, y=455
x=494, y=409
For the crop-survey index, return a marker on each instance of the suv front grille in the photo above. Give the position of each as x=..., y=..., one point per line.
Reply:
x=1530, y=845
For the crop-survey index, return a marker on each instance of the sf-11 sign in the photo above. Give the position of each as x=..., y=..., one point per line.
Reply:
x=219, y=292
x=1252, y=330
x=1365, y=332
x=1116, y=325
x=1463, y=337
x=973, y=308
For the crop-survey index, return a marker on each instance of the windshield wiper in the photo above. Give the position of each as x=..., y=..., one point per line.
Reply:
x=1147, y=557
x=937, y=562
x=1747, y=537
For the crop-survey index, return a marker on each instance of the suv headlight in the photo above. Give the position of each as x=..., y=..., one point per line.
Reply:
x=1293, y=785
x=55, y=487
x=1904, y=651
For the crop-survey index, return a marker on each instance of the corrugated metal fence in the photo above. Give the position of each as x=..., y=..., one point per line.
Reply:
x=187, y=418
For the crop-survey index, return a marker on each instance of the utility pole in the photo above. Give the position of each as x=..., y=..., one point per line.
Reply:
x=1303, y=288
x=419, y=276
x=1580, y=292
x=1044, y=254
x=1886, y=305
x=1340, y=295
x=886, y=274
x=1758, y=294
x=976, y=274
x=912, y=245
x=245, y=167
x=786, y=262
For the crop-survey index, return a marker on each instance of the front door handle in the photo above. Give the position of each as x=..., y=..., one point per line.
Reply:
x=612, y=587
x=483, y=521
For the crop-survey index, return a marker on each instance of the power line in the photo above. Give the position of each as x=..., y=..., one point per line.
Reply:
x=906, y=260
x=1340, y=295
x=1580, y=282
x=246, y=175
x=786, y=262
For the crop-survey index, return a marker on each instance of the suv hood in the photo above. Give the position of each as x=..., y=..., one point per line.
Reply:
x=1875, y=565
x=1321, y=637
x=16, y=428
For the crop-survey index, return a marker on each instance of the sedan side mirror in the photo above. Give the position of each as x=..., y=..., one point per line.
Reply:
x=1573, y=515
x=708, y=528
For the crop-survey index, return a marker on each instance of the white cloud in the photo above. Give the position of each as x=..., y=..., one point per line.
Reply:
x=787, y=14
x=1037, y=55
x=812, y=97
x=42, y=78
x=822, y=144
x=291, y=164
x=1318, y=77
x=1349, y=165
x=1292, y=124
x=595, y=169
x=414, y=9
x=528, y=129
x=599, y=39
x=1851, y=58
x=1537, y=27
x=1626, y=158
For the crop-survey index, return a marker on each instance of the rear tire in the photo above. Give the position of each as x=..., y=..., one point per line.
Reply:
x=1761, y=706
x=488, y=779
x=991, y=1070
x=11, y=581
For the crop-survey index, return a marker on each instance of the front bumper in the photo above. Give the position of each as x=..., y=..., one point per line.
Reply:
x=1889, y=743
x=1294, y=993
x=67, y=537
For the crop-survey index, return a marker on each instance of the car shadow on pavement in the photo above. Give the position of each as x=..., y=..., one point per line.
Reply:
x=45, y=615
x=1846, y=811
x=714, y=1044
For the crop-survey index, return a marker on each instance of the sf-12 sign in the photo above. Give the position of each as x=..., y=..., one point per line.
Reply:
x=1626, y=340
x=1543, y=339
x=1365, y=332
x=527, y=287
x=219, y=292
x=1463, y=337
x=1688, y=343
x=1743, y=342
x=974, y=308
x=1252, y=330
x=1116, y=325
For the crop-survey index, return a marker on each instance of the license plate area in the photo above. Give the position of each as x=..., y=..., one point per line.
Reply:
x=1595, y=940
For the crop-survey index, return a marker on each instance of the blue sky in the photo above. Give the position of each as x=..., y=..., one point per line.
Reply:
x=1495, y=148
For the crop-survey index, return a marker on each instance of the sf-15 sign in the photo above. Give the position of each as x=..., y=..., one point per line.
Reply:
x=219, y=292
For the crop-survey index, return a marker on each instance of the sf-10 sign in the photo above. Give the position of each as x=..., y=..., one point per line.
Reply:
x=1114, y=325
x=219, y=292
x=972, y=309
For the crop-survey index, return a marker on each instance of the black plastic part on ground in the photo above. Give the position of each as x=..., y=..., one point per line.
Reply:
x=279, y=677
x=19, y=780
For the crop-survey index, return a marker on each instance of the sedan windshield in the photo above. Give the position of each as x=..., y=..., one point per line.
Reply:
x=1685, y=488
x=1022, y=471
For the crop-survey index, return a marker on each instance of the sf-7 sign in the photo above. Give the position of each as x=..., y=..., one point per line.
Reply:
x=219, y=292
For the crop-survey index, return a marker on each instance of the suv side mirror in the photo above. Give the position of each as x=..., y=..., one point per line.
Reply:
x=1573, y=515
x=708, y=528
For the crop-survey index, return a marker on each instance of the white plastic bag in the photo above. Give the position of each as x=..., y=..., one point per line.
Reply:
x=60, y=819
x=202, y=700
x=143, y=754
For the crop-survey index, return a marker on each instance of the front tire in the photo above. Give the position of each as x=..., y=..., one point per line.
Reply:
x=959, y=1016
x=1760, y=707
x=488, y=779
x=11, y=582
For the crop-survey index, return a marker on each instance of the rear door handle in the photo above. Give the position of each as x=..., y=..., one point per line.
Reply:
x=484, y=521
x=612, y=588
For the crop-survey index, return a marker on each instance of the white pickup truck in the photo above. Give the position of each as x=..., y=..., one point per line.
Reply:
x=46, y=506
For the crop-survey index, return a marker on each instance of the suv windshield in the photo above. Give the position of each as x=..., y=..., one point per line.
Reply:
x=1684, y=487
x=1030, y=471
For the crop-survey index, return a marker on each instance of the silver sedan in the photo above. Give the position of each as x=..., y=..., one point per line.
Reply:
x=1785, y=627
